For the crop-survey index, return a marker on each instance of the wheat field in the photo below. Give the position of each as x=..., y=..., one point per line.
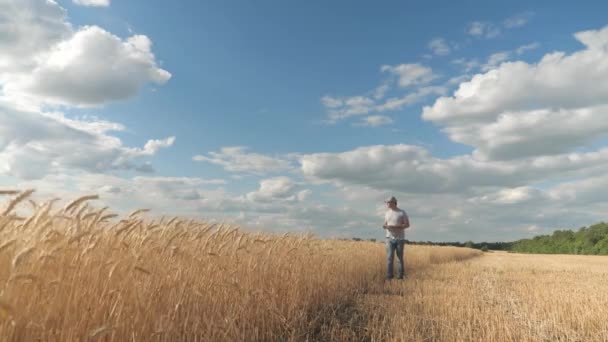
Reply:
x=80, y=273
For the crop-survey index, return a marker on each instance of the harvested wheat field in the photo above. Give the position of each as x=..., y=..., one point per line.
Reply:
x=75, y=273
x=498, y=297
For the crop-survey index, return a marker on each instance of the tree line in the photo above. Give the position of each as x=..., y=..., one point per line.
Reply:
x=591, y=240
x=587, y=240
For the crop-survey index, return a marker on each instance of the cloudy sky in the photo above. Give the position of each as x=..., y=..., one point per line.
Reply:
x=487, y=122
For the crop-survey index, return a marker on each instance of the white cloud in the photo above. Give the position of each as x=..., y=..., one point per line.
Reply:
x=152, y=146
x=535, y=132
x=521, y=109
x=467, y=65
x=528, y=47
x=356, y=106
x=376, y=121
x=164, y=195
x=410, y=74
x=91, y=68
x=411, y=169
x=416, y=76
x=303, y=195
x=459, y=79
x=331, y=102
x=581, y=192
x=237, y=159
x=518, y=20
x=274, y=189
x=46, y=61
x=482, y=29
x=395, y=103
x=494, y=60
x=439, y=47
x=380, y=91
x=518, y=195
x=33, y=144
x=95, y=3
x=27, y=28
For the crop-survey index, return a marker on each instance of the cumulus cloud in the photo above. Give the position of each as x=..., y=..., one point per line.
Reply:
x=27, y=28
x=519, y=134
x=560, y=99
x=412, y=169
x=272, y=189
x=414, y=77
x=33, y=144
x=410, y=74
x=152, y=146
x=91, y=68
x=495, y=59
x=581, y=192
x=188, y=196
x=46, y=61
x=279, y=204
x=185, y=188
x=237, y=159
x=95, y=3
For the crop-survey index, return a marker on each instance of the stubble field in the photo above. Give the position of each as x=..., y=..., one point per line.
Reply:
x=75, y=273
x=498, y=297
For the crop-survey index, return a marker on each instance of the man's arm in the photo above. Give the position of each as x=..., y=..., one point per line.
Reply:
x=406, y=222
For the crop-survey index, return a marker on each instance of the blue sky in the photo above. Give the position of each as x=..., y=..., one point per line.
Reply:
x=303, y=116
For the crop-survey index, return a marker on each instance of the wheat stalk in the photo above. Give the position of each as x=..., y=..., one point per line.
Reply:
x=22, y=196
x=77, y=202
x=21, y=255
x=100, y=331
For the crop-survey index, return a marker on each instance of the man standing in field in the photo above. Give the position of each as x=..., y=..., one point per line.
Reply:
x=395, y=223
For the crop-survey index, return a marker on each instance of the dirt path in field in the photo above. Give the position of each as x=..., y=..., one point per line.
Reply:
x=496, y=297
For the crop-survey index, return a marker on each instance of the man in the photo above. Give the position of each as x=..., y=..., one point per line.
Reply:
x=395, y=223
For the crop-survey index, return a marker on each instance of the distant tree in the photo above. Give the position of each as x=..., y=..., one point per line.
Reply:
x=469, y=244
x=587, y=240
x=484, y=248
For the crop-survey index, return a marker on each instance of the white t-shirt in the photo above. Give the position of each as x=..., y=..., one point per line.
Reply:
x=395, y=218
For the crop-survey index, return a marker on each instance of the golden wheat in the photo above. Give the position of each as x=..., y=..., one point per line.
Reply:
x=74, y=275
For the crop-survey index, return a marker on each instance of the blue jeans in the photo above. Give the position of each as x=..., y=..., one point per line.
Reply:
x=395, y=247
